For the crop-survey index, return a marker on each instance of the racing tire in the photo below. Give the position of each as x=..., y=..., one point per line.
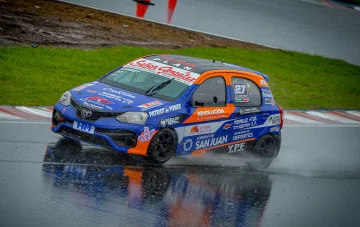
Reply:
x=263, y=153
x=162, y=146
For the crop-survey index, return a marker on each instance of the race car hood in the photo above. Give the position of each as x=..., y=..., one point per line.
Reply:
x=104, y=97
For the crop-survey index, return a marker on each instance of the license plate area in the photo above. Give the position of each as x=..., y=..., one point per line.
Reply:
x=83, y=127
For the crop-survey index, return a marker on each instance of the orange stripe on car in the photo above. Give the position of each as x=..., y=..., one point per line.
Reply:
x=257, y=79
x=203, y=114
x=141, y=147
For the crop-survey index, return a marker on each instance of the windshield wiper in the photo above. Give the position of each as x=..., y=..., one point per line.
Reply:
x=158, y=87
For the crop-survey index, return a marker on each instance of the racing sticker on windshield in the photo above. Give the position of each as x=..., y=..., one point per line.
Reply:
x=181, y=75
x=175, y=62
x=242, y=92
x=150, y=105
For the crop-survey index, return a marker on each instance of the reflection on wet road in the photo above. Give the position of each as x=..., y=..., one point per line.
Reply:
x=46, y=182
x=157, y=196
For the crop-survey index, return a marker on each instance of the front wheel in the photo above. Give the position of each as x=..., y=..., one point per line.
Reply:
x=162, y=146
x=263, y=153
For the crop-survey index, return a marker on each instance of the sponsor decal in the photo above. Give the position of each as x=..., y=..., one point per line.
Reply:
x=170, y=121
x=97, y=103
x=275, y=129
x=251, y=110
x=266, y=93
x=188, y=145
x=99, y=100
x=197, y=129
x=166, y=109
x=181, y=75
x=63, y=110
x=269, y=101
x=245, y=134
x=62, y=98
x=93, y=106
x=126, y=69
x=109, y=89
x=146, y=135
x=263, y=83
x=274, y=119
x=116, y=97
x=150, y=105
x=242, y=92
x=175, y=62
x=210, y=112
x=205, y=136
x=92, y=91
x=211, y=142
x=245, y=123
x=241, y=99
x=236, y=147
x=227, y=126
x=79, y=88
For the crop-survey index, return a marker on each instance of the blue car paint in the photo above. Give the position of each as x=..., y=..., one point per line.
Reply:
x=133, y=102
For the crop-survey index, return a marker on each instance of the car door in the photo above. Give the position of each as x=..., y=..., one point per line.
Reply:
x=248, y=115
x=208, y=108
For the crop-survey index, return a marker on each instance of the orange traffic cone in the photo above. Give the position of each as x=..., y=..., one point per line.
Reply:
x=141, y=7
x=170, y=11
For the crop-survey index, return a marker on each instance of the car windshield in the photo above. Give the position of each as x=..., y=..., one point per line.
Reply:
x=140, y=81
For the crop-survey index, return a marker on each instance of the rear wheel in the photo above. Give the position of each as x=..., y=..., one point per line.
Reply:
x=162, y=146
x=263, y=153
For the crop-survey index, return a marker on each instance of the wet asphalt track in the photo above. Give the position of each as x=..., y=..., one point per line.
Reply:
x=308, y=26
x=314, y=182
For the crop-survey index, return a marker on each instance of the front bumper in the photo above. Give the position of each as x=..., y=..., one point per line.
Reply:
x=109, y=132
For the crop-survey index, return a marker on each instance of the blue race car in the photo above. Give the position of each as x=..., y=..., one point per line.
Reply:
x=160, y=105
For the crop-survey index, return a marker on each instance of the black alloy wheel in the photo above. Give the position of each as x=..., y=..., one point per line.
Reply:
x=162, y=146
x=263, y=153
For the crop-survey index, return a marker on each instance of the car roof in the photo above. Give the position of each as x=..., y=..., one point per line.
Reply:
x=201, y=65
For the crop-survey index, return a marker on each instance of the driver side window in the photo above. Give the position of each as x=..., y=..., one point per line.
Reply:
x=212, y=92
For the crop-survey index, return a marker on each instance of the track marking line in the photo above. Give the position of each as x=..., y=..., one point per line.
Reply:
x=332, y=117
x=9, y=116
x=26, y=122
x=35, y=111
x=352, y=112
x=301, y=119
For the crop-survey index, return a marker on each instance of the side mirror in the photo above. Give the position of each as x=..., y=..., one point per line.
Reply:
x=198, y=103
x=192, y=103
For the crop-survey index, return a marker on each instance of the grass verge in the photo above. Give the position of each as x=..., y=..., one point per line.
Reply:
x=38, y=76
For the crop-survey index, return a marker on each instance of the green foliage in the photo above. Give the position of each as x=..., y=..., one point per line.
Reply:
x=38, y=76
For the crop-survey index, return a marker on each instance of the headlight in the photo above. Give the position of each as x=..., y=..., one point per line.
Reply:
x=133, y=117
x=65, y=98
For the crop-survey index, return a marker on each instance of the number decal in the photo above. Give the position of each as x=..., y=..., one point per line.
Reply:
x=240, y=89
